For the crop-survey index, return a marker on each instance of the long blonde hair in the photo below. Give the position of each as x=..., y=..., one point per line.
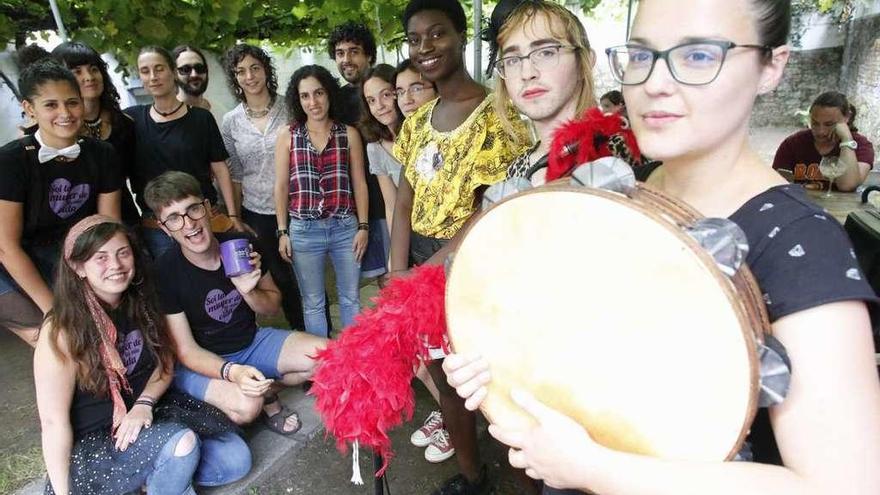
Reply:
x=563, y=26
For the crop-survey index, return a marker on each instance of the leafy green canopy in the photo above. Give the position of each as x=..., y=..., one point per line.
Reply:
x=123, y=26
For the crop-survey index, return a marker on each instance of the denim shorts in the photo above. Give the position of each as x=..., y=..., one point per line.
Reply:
x=45, y=258
x=262, y=354
x=375, y=260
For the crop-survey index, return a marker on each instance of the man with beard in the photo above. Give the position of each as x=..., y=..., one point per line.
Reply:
x=192, y=76
x=353, y=47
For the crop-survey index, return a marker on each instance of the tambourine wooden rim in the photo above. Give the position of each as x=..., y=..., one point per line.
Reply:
x=740, y=290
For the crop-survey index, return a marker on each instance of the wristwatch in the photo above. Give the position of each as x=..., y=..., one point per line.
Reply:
x=280, y=232
x=851, y=144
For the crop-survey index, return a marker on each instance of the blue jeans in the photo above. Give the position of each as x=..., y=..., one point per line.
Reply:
x=156, y=241
x=173, y=474
x=225, y=458
x=312, y=241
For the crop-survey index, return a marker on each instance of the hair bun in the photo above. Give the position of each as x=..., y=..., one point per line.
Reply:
x=496, y=21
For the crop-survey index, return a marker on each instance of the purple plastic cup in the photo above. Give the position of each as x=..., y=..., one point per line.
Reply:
x=235, y=254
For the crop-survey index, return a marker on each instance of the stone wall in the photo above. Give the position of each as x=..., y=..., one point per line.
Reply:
x=808, y=74
x=860, y=78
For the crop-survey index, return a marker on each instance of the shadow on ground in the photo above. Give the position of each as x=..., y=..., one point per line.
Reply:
x=320, y=469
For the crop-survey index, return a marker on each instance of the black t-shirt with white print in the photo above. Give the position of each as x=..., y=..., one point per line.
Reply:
x=220, y=319
x=799, y=254
x=89, y=412
x=801, y=258
x=56, y=194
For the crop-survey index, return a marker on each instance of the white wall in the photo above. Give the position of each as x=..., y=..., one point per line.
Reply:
x=10, y=108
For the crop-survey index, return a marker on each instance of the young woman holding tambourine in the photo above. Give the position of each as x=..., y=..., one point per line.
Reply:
x=691, y=72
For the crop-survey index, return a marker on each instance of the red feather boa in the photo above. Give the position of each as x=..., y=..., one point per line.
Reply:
x=362, y=383
x=585, y=140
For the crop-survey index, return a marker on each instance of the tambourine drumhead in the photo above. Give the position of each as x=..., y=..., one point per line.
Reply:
x=605, y=313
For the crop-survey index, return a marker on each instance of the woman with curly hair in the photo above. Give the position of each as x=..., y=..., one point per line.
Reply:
x=249, y=132
x=321, y=183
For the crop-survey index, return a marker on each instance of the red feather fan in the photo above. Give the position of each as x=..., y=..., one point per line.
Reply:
x=593, y=136
x=362, y=383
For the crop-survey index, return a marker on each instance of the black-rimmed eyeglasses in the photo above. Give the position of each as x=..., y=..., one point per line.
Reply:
x=694, y=64
x=542, y=58
x=176, y=221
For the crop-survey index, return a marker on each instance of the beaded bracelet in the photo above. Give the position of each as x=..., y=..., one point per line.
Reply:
x=225, y=369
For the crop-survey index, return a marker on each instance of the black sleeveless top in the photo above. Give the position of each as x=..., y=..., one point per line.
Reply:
x=90, y=412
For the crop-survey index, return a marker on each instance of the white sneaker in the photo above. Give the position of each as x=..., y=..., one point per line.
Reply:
x=422, y=436
x=440, y=448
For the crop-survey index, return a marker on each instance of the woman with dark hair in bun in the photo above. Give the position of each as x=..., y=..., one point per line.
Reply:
x=48, y=181
x=691, y=72
x=833, y=133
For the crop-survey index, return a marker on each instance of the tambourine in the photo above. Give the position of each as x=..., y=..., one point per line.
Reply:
x=620, y=308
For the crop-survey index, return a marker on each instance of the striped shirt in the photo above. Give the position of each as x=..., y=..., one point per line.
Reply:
x=320, y=184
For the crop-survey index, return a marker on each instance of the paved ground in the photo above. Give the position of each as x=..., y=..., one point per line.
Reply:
x=305, y=464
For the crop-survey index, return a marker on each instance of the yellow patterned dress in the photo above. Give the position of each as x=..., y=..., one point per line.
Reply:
x=445, y=169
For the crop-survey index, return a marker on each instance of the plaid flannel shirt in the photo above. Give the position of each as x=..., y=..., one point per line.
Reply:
x=320, y=184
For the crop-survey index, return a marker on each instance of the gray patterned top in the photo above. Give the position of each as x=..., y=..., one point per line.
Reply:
x=252, y=155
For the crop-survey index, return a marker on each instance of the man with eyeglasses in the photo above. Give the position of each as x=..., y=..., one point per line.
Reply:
x=192, y=76
x=545, y=63
x=224, y=358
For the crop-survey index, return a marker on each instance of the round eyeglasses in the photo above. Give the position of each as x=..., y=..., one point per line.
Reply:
x=176, y=221
x=542, y=58
x=694, y=64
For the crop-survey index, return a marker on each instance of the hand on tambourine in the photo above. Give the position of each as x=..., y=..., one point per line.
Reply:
x=468, y=375
x=557, y=450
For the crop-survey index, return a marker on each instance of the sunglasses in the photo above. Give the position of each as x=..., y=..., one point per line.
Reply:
x=185, y=70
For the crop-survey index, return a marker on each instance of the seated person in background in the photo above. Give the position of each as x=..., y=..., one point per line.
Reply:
x=225, y=359
x=102, y=362
x=832, y=133
x=612, y=102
